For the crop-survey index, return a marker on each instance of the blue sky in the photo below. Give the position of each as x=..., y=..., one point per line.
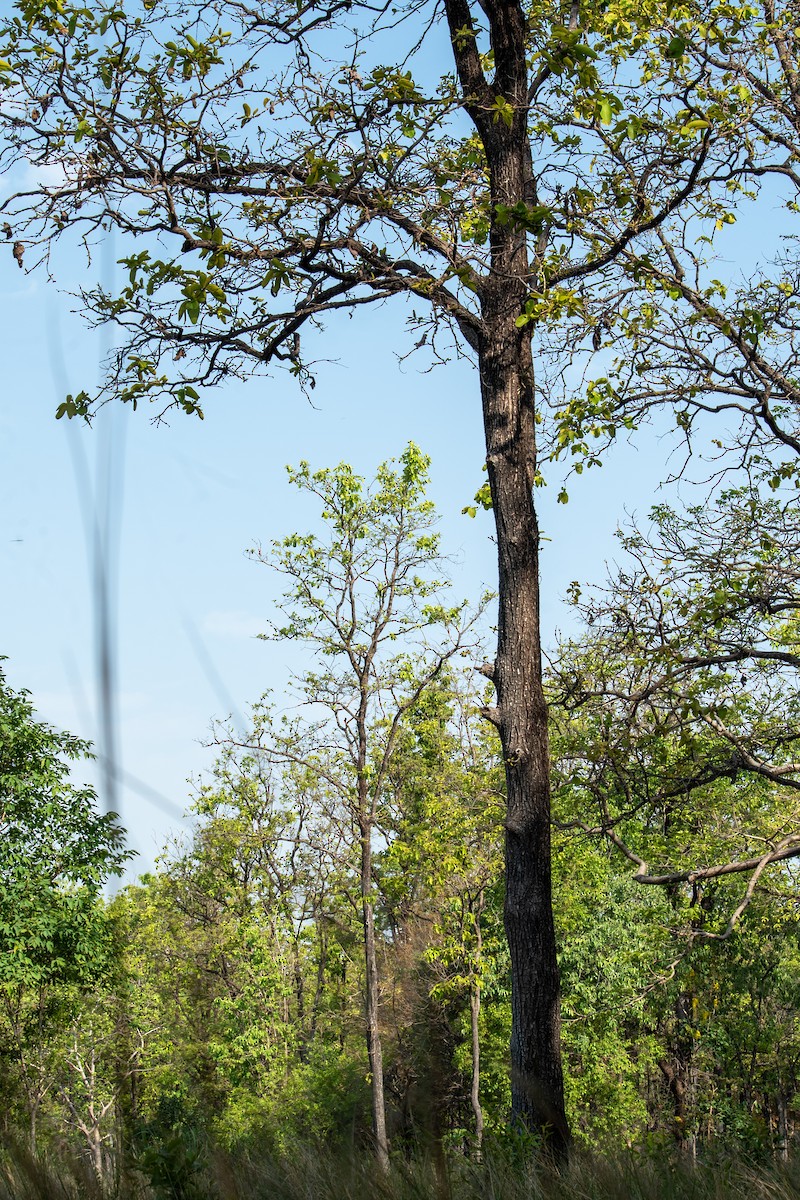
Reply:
x=194, y=495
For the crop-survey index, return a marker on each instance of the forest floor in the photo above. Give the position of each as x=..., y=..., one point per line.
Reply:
x=311, y=1175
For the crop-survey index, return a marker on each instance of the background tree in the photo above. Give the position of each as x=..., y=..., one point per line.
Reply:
x=56, y=853
x=719, y=348
x=679, y=731
x=686, y=700
x=615, y=950
x=366, y=599
x=445, y=799
x=94, y=1063
x=234, y=1017
x=242, y=964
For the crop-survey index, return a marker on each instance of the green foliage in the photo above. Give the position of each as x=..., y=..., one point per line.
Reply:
x=56, y=939
x=680, y=740
x=675, y=733
x=640, y=131
x=218, y=1003
x=166, y=125
x=56, y=852
x=613, y=942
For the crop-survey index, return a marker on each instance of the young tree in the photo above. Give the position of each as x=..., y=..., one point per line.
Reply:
x=93, y=1068
x=365, y=599
x=274, y=169
x=233, y=969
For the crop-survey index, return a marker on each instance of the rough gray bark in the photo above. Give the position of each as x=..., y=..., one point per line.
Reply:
x=508, y=398
x=536, y=1073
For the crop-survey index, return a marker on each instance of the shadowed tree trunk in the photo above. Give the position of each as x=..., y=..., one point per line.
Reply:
x=521, y=716
x=508, y=398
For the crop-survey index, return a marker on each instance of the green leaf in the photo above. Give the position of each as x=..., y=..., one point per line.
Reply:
x=503, y=111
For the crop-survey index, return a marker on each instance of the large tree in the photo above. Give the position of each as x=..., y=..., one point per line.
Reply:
x=278, y=162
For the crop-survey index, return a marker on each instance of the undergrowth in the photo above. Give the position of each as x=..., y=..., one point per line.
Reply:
x=311, y=1174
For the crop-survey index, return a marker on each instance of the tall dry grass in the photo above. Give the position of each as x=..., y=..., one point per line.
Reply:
x=311, y=1174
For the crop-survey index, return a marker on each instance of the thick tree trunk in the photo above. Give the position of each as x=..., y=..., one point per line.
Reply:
x=509, y=420
x=499, y=110
x=536, y=1074
x=373, y=1033
x=674, y=1076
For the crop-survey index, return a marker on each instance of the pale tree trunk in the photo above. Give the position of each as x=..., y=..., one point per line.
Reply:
x=373, y=1032
x=475, y=1013
x=782, y=1107
x=96, y=1145
x=475, y=1090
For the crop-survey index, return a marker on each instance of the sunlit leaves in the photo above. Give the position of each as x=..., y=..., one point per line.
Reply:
x=56, y=851
x=683, y=690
